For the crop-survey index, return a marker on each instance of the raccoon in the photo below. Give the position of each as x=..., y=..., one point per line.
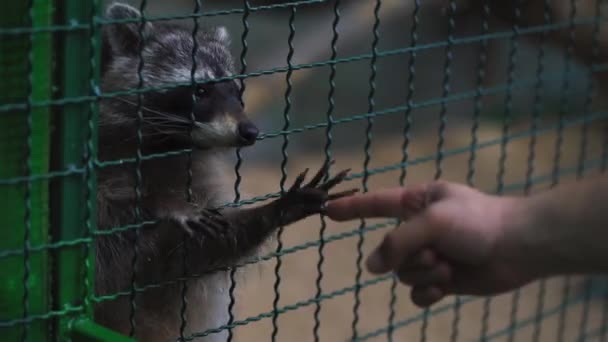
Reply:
x=188, y=234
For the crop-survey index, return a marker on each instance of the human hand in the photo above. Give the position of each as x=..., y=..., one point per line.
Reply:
x=452, y=239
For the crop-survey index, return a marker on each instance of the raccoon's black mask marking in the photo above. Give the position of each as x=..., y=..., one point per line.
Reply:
x=205, y=101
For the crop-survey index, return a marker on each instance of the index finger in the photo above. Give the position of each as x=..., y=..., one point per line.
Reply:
x=381, y=203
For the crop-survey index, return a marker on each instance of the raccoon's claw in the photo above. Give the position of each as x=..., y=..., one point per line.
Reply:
x=298, y=182
x=336, y=180
x=322, y=172
x=302, y=201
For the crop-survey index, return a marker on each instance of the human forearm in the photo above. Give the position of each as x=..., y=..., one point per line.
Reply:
x=563, y=230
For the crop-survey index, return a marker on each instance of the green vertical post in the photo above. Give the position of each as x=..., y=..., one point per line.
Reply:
x=22, y=81
x=74, y=214
x=74, y=210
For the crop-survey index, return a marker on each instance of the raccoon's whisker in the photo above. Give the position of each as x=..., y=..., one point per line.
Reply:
x=163, y=120
x=129, y=102
x=159, y=135
x=164, y=123
x=153, y=134
x=168, y=127
x=174, y=118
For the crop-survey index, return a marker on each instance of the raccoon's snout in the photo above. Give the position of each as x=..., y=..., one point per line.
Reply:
x=225, y=131
x=248, y=132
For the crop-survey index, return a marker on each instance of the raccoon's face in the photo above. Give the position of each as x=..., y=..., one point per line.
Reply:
x=205, y=115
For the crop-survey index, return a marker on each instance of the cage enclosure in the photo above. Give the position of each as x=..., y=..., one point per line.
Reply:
x=98, y=158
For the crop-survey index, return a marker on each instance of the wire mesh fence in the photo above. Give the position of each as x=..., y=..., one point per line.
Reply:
x=115, y=120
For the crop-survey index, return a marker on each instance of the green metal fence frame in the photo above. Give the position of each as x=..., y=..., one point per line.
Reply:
x=76, y=206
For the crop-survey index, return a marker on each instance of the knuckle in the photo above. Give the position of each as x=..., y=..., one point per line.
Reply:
x=444, y=272
x=426, y=258
x=436, y=190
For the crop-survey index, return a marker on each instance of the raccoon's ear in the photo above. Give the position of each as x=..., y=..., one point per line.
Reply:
x=125, y=38
x=221, y=34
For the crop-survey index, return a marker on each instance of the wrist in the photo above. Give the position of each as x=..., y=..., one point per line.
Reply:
x=524, y=241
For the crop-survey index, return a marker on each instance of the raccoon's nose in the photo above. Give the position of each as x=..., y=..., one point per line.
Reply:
x=248, y=132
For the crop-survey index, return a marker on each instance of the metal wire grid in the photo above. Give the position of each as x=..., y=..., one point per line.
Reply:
x=84, y=172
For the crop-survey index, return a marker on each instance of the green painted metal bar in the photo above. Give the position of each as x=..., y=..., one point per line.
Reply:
x=86, y=330
x=74, y=214
x=24, y=135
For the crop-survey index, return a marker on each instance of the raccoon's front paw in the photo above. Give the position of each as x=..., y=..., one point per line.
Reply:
x=208, y=222
x=302, y=201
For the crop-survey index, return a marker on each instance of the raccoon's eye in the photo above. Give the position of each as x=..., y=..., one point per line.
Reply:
x=201, y=92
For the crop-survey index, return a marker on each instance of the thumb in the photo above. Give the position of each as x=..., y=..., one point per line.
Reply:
x=404, y=241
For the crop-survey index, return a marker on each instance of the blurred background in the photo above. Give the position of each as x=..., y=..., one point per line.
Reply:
x=306, y=120
x=268, y=49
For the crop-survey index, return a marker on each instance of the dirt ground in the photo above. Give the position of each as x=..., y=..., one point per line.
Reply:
x=298, y=272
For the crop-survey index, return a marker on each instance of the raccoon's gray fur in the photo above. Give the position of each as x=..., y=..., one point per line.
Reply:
x=190, y=233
